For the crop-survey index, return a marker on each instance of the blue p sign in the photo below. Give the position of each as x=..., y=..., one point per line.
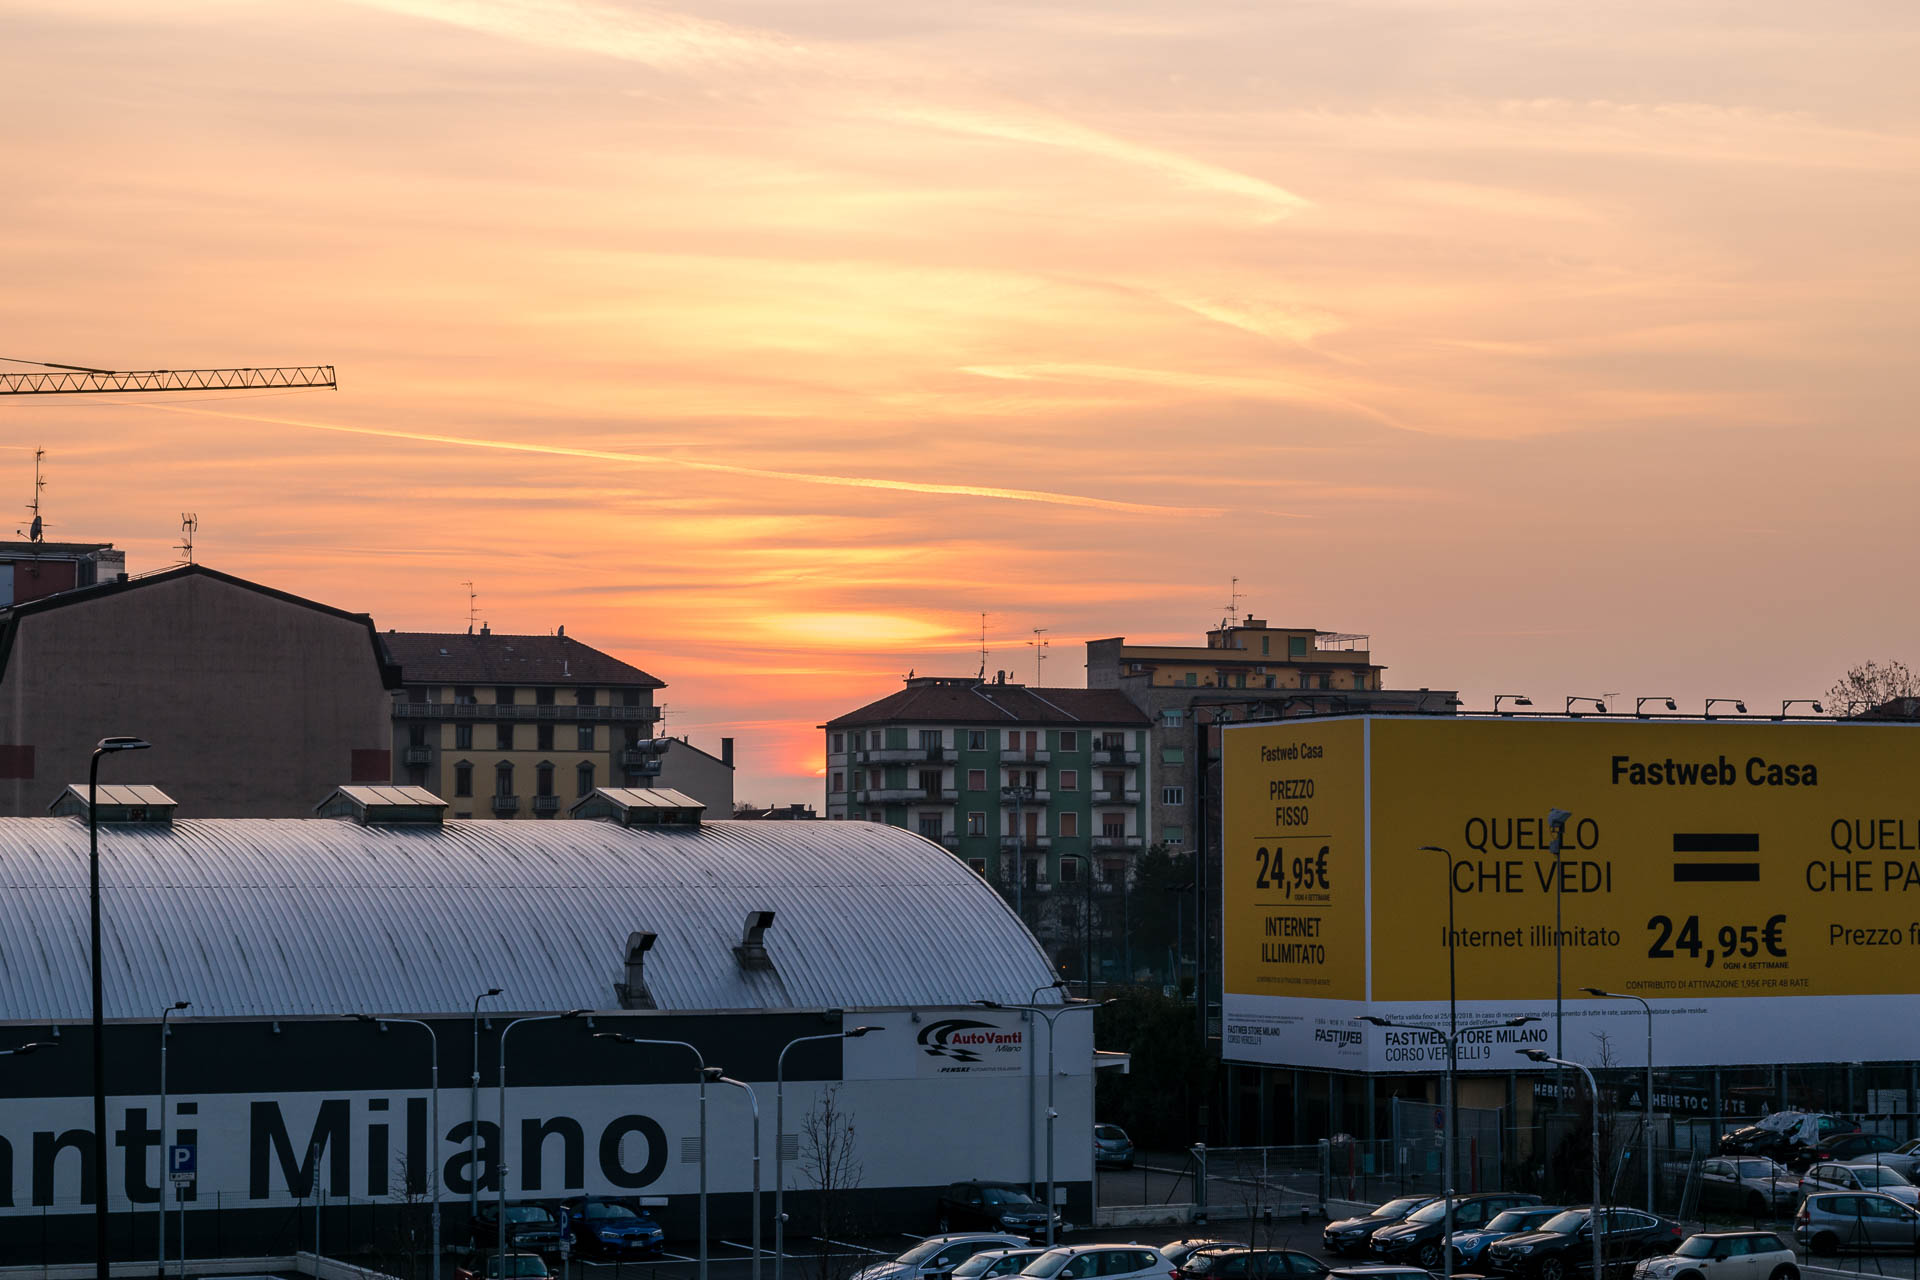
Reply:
x=181, y=1161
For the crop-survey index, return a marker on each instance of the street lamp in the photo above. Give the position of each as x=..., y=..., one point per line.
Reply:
x=433, y=1122
x=1052, y=1115
x=753, y=1099
x=104, y=747
x=1640, y=702
x=1086, y=927
x=166, y=1171
x=700, y=1065
x=473, y=1114
x=1800, y=702
x=1517, y=699
x=1593, y=1091
x=30, y=1047
x=1453, y=1050
x=1739, y=706
x=780, y=1137
x=500, y=1162
x=1646, y=1120
x=1021, y=796
x=1033, y=1154
x=1598, y=704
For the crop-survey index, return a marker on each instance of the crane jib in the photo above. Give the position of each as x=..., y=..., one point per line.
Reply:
x=94, y=382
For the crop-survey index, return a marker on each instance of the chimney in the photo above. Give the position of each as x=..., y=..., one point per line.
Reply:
x=726, y=752
x=562, y=632
x=633, y=993
x=485, y=630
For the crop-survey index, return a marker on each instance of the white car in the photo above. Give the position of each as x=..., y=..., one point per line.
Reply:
x=1724, y=1255
x=1106, y=1261
x=935, y=1257
x=1865, y=1176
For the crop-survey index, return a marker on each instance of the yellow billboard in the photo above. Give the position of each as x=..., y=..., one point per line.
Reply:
x=1702, y=863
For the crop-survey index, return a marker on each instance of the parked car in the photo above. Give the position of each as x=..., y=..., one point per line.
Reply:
x=479, y=1264
x=1754, y=1185
x=1849, y=1147
x=1783, y=1133
x=1112, y=1148
x=1380, y=1271
x=1350, y=1236
x=1180, y=1252
x=1106, y=1261
x=989, y=1264
x=1831, y=1221
x=935, y=1257
x=991, y=1206
x=608, y=1229
x=1859, y=1177
x=1468, y=1246
x=1564, y=1243
x=1724, y=1255
x=529, y=1226
x=1418, y=1240
x=1253, y=1264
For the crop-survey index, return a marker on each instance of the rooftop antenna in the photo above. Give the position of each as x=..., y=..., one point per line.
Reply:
x=189, y=525
x=1233, y=605
x=1039, y=646
x=473, y=609
x=983, y=647
x=35, y=530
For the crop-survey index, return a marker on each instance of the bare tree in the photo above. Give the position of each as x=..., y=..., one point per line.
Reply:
x=829, y=1161
x=1872, y=684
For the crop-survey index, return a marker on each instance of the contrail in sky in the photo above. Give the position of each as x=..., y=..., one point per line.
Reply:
x=694, y=464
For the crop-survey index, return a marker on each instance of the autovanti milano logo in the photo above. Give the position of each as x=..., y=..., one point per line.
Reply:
x=967, y=1045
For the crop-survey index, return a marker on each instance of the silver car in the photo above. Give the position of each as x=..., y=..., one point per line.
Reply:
x=1752, y=1185
x=1827, y=1176
x=1830, y=1222
x=1723, y=1255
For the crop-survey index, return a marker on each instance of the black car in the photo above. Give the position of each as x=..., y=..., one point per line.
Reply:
x=1418, y=1239
x=991, y=1206
x=1843, y=1147
x=1253, y=1264
x=1350, y=1236
x=608, y=1229
x=529, y=1226
x=1564, y=1244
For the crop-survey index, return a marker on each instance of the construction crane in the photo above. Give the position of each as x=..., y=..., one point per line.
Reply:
x=73, y=379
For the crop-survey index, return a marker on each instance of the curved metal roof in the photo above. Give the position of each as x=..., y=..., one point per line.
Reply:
x=272, y=917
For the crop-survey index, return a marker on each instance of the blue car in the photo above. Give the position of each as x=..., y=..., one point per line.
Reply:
x=608, y=1229
x=1470, y=1246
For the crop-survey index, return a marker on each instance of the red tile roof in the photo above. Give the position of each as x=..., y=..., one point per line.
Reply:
x=937, y=700
x=427, y=657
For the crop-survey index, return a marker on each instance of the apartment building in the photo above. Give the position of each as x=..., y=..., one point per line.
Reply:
x=508, y=726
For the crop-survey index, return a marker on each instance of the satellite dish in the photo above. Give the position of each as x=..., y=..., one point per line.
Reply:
x=34, y=534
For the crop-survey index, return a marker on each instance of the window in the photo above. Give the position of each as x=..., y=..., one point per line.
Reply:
x=503, y=737
x=583, y=780
x=1115, y=783
x=1239, y=679
x=1173, y=835
x=1172, y=717
x=978, y=866
x=976, y=779
x=930, y=825
x=930, y=783
x=1173, y=795
x=463, y=779
x=585, y=737
x=976, y=739
x=839, y=782
x=543, y=697
x=1266, y=645
x=929, y=739
x=1296, y=646
x=416, y=735
x=543, y=737
x=463, y=737
x=1193, y=678
x=876, y=778
x=417, y=695
x=503, y=779
x=629, y=697
x=417, y=775
x=1069, y=871
x=976, y=824
x=543, y=778
x=586, y=697
x=837, y=742
x=1173, y=755
x=873, y=739
x=463, y=695
x=1114, y=828
x=1269, y=682
x=1069, y=779
x=1069, y=740
x=1069, y=824
x=505, y=695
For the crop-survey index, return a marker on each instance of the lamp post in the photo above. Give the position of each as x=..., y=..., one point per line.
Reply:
x=1739, y=706
x=1791, y=703
x=780, y=1137
x=166, y=1179
x=104, y=747
x=500, y=1163
x=1646, y=1119
x=1086, y=927
x=1593, y=1092
x=1517, y=699
x=753, y=1099
x=1453, y=1046
x=1599, y=705
x=700, y=1065
x=1052, y=1115
x=473, y=1114
x=433, y=1123
x=1641, y=702
x=1020, y=795
x=1033, y=1153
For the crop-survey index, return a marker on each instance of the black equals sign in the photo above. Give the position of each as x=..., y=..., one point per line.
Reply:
x=1716, y=842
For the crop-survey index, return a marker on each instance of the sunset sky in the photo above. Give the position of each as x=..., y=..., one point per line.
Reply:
x=1565, y=348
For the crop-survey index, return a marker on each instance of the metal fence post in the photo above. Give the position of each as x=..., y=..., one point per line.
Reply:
x=1199, y=1150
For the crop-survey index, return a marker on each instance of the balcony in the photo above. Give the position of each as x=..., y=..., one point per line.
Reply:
x=1116, y=797
x=519, y=711
x=904, y=795
x=1037, y=800
x=901, y=755
x=546, y=804
x=418, y=755
x=644, y=761
x=1032, y=844
x=1117, y=844
x=506, y=804
x=1023, y=756
x=1112, y=755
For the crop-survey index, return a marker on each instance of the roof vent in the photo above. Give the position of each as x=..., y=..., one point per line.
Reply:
x=641, y=807
x=383, y=806
x=752, y=951
x=633, y=993
x=118, y=802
